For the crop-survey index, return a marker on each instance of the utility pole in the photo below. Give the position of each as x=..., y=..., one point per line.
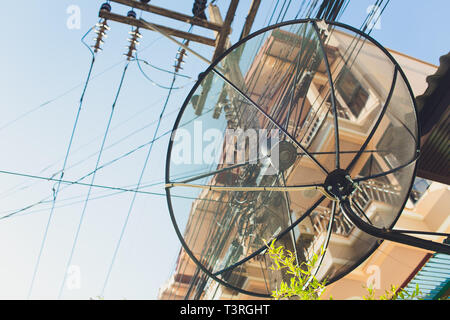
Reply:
x=222, y=31
x=220, y=28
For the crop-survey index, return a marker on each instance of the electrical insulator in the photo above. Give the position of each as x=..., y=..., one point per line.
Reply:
x=199, y=9
x=131, y=14
x=100, y=30
x=105, y=7
x=134, y=41
x=179, y=60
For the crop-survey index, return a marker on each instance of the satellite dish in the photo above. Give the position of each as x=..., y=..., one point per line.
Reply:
x=278, y=133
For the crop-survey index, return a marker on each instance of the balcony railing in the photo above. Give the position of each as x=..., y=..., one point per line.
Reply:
x=373, y=191
x=320, y=220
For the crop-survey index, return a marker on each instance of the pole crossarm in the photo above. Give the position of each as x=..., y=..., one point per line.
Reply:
x=173, y=32
x=170, y=14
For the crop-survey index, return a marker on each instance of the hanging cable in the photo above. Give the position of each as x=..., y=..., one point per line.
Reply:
x=135, y=35
x=179, y=60
x=59, y=96
x=102, y=27
x=57, y=189
x=78, y=181
x=95, y=153
x=138, y=62
x=52, y=100
x=281, y=11
x=137, y=187
x=179, y=57
x=93, y=177
x=161, y=69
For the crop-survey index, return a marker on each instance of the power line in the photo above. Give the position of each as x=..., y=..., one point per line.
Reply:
x=92, y=78
x=14, y=189
x=120, y=189
x=63, y=168
x=50, y=101
x=77, y=182
x=137, y=187
x=156, y=83
x=177, y=67
x=93, y=177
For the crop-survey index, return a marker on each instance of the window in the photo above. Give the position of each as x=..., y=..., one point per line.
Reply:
x=419, y=187
x=354, y=95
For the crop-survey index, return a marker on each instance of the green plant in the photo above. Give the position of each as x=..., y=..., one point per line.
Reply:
x=303, y=284
x=394, y=294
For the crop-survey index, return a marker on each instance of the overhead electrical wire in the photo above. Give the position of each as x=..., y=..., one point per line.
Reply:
x=125, y=224
x=177, y=67
x=138, y=61
x=113, y=108
x=351, y=49
x=121, y=189
x=64, y=165
x=161, y=69
x=148, y=155
x=94, y=76
x=330, y=12
x=134, y=132
x=44, y=200
x=194, y=280
x=135, y=194
x=77, y=182
x=23, y=186
x=352, y=45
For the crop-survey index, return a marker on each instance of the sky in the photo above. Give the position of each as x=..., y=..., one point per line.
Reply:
x=43, y=60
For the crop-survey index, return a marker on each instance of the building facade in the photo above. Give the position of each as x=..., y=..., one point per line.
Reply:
x=287, y=71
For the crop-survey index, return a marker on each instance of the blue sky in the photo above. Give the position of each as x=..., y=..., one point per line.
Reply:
x=42, y=59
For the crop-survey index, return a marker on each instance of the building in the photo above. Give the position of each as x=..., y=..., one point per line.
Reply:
x=285, y=71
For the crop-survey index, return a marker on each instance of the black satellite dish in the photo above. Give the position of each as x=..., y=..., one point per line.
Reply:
x=305, y=132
